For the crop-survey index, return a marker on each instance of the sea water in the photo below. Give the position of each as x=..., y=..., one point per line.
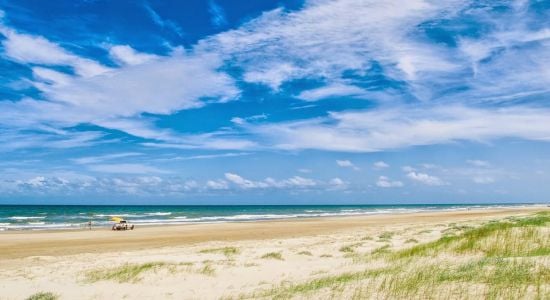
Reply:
x=40, y=217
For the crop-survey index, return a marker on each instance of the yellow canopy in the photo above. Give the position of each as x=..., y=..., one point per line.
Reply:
x=117, y=219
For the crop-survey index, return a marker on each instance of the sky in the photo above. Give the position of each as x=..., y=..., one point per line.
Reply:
x=274, y=102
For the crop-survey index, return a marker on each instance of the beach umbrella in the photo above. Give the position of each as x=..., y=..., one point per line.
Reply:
x=116, y=219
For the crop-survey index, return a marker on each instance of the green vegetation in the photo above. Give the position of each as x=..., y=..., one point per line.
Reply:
x=386, y=236
x=411, y=241
x=227, y=251
x=43, y=296
x=305, y=253
x=124, y=273
x=207, y=270
x=350, y=248
x=508, y=238
x=505, y=259
x=381, y=250
x=273, y=255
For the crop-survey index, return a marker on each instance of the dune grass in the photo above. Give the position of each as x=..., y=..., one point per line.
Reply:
x=273, y=255
x=124, y=273
x=305, y=253
x=506, y=259
x=227, y=251
x=132, y=273
x=43, y=296
x=527, y=236
x=386, y=236
x=208, y=270
x=350, y=248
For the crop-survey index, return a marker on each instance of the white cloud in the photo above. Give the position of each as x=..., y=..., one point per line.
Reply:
x=326, y=38
x=44, y=138
x=217, y=185
x=408, y=169
x=241, y=182
x=483, y=179
x=270, y=183
x=111, y=97
x=37, y=181
x=333, y=90
x=125, y=169
x=163, y=23
x=243, y=121
x=322, y=41
x=298, y=181
x=479, y=163
x=238, y=121
x=383, y=129
x=425, y=179
x=380, y=165
x=385, y=182
x=126, y=55
x=164, y=86
x=337, y=184
x=346, y=164
x=101, y=158
x=205, y=156
x=38, y=50
x=217, y=14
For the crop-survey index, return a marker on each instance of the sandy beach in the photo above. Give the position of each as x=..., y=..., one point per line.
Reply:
x=223, y=260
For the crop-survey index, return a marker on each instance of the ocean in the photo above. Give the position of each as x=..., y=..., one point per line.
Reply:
x=41, y=217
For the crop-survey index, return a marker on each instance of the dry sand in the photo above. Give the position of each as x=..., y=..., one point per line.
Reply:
x=58, y=261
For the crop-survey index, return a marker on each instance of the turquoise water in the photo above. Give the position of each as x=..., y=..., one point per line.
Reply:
x=39, y=217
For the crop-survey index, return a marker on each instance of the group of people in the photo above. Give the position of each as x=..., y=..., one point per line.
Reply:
x=122, y=226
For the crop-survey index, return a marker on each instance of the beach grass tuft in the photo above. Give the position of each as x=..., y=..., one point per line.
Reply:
x=43, y=296
x=227, y=251
x=273, y=255
x=125, y=273
x=305, y=253
x=386, y=235
x=350, y=248
x=208, y=270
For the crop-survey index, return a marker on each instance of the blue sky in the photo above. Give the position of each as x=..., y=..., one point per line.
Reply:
x=279, y=102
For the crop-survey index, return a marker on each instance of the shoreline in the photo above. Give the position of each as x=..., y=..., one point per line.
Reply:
x=21, y=244
x=140, y=218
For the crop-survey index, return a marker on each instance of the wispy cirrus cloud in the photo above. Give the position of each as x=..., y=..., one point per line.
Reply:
x=101, y=158
x=163, y=23
x=126, y=168
x=379, y=130
x=217, y=13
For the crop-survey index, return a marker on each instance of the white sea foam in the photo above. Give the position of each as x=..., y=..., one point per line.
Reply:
x=159, y=214
x=26, y=218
